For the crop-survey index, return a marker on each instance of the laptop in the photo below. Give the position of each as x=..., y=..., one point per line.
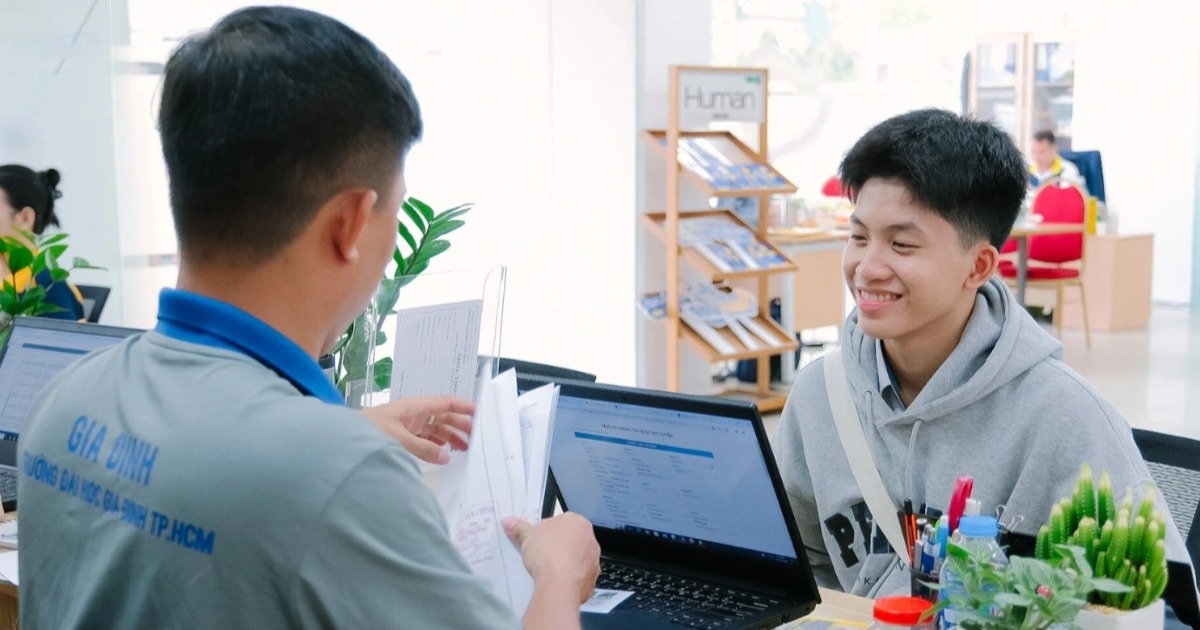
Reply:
x=36, y=351
x=687, y=505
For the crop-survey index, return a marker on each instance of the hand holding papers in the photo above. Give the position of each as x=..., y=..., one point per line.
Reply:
x=502, y=474
x=424, y=425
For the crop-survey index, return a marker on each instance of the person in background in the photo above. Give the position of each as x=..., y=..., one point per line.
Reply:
x=1046, y=163
x=945, y=371
x=27, y=204
x=238, y=490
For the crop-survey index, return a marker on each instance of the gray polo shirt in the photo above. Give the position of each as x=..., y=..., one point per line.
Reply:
x=173, y=484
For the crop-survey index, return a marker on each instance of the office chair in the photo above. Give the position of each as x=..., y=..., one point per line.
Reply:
x=1174, y=463
x=542, y=370
x=1056, y=203
x=94, y=298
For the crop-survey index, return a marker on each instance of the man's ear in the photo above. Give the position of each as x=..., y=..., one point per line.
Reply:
x=350, y=210
x=985, y=261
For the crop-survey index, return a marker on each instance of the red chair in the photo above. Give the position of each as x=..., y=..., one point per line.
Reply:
x=833, y=187
x=1057, y=203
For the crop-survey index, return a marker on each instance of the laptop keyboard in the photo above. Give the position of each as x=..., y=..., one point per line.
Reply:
x=686, y=602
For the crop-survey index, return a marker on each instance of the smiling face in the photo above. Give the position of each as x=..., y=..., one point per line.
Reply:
x=907, y=269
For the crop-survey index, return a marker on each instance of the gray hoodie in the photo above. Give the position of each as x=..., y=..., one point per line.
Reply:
x=1002, y=408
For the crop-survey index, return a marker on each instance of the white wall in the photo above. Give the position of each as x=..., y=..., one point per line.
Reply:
x=57, y=112
x=673, y=32
x=1136, y=100
x=530, y=112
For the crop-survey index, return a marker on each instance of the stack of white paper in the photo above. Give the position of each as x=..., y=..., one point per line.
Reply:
x=502, y=473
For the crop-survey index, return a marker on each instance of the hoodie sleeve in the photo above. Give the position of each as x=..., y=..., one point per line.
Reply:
x=1081, y=427
x=788, y=445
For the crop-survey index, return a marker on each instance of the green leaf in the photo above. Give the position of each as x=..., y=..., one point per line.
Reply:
x=386, y=297
x=423, y=208
x=58, y=275
x=452, y=213
x=414, y=215
x=408, y=237
x=441, y=229
x=383, y=374
x=40, y=263
x=19, y=258
x=380, y=338
x=82, y=263
x=55, y=252
x=4, y=240
x=1109, y=585
x=1012, y=599
x=417, y=268
x=431, y=249
x=43, y=308
x=45, y=242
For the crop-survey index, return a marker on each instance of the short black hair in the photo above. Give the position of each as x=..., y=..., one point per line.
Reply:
x=1045, y=135
x=967, y=171
x=26, y=188
x=265, y=117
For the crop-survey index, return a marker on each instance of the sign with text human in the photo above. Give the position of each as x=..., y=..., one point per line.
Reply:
x=720, y=95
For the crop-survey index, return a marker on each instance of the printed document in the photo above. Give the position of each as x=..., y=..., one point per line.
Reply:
x=503, y=473
x=437, y=350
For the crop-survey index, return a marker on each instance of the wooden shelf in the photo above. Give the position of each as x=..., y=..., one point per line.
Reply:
x=654, y=223
x=771, y=401
x=736, y=151
x=741, y=352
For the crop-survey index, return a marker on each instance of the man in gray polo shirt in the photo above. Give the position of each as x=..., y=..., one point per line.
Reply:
x=206, y=474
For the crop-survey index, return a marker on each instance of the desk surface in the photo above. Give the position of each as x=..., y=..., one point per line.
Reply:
x=1022, y=230
x=806, y=235
x=840, y=606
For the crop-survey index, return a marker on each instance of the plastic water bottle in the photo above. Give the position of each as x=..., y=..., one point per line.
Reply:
x=977, y=537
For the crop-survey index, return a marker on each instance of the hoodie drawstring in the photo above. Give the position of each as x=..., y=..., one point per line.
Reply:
x=912, y=443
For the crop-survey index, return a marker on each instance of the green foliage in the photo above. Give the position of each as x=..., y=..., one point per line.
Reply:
x=1026, y=594
x=423, y=237
x=28, y=255
x=1128, y=547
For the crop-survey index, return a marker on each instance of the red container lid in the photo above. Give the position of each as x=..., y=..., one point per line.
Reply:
x=901, y=610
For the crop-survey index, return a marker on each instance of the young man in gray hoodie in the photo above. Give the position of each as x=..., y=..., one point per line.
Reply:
x=947, y=372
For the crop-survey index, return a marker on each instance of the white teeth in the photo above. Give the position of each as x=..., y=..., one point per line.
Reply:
x=877, y=297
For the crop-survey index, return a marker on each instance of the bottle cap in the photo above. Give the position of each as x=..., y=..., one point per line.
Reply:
x=900, y=610
x=978, y=526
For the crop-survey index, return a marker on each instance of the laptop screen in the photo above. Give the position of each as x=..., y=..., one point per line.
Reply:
x=695, y=476
x=36, y=351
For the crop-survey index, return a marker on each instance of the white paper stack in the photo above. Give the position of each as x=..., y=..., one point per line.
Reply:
x=502, y=473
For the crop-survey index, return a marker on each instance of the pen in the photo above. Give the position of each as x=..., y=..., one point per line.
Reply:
x=930, y=551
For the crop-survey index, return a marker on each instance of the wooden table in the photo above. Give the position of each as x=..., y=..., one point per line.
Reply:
x=1021, y=233
x=814, y=295
x=840, y=606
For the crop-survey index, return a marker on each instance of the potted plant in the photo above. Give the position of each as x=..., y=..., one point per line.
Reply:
x=1122, y=544
x=1026, y=593
x=27, y=255
x=350, y=360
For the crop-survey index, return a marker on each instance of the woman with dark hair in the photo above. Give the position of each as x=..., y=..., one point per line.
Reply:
x=27, y=204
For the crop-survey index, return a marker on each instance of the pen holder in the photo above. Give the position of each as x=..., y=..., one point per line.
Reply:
x=919, y=584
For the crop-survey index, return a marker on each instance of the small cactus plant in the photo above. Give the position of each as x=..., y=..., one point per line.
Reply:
x=1127, y=546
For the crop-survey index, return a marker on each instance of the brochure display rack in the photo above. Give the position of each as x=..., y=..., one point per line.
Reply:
x=726, y=316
